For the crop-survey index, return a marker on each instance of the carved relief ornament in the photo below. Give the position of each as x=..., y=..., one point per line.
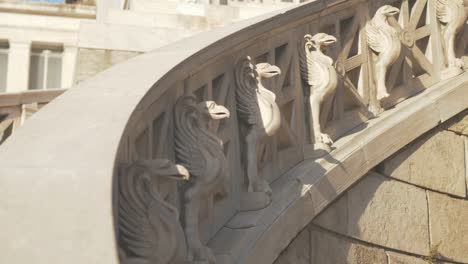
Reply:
x=451, y=14
x=384, y=40
x=260, y=118
x=318, y=72
x=149, y=228
x=201, y=152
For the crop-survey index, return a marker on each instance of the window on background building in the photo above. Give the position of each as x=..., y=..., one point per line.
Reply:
x=45, y=70
x=84, y=2
x=48, y=1
x=3, y=65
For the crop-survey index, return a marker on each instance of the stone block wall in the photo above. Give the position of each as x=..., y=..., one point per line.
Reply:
x=411, y=209
x=93, y=61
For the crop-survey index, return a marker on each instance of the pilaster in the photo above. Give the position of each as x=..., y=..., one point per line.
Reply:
x=18, y=66
x=69, y=59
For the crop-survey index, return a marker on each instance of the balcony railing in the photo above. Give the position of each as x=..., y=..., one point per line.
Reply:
x=15, y=108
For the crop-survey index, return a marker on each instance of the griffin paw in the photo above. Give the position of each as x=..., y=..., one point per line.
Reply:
x=260, y=186
x=326, y=139
x=459, y=63
x=382, y=95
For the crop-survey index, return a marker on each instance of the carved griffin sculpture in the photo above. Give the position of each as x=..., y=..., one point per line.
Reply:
x=318, y=71
x=201, y=152
x=451, y=13
x=149, y=228
x=383, y=39
x=258, y=112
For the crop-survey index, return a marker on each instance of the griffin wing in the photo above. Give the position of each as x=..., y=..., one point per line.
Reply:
x=374, y=38
x=188, y=148
x=310, y=67
x=246, y=92
x=136, y=233
x=446, y=10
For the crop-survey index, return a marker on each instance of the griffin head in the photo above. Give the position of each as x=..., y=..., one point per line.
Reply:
x=188, y=108
x=266, y=70
x=213, y=110
x=387, y=11
x=319, y=40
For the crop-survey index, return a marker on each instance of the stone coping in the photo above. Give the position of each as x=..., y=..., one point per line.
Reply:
x=29, y=97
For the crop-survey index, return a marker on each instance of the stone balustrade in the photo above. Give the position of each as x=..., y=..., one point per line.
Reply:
x=222, y=147
x=15, y=108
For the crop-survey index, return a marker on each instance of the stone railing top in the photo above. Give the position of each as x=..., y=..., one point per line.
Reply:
x=29, y=97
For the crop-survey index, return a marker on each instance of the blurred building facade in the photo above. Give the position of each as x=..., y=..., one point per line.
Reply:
x=48, y=44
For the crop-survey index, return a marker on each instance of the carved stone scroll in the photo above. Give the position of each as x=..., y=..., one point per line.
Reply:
x=318, y=72
x=149, y=228
x=451, y=14
x=260, y=117
x=201, y=152
x=384, y=40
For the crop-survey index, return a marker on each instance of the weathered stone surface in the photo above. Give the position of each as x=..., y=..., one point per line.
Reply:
x=298, y=252
x=92, y=61
x=335, y=217
x=449, y=226
x=329, y=249
x=459, y=124
x=434, y=161
x=404, y=206
x=395, y=258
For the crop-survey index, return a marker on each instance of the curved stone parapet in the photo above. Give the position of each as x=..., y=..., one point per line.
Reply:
x=60, y=201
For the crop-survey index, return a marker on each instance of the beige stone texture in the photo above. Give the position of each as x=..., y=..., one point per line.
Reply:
x=92, y=61
x=389, y=213
x=330, y=249
x=298, y=252
x=335, y=217
x=434, y=161
x=395, y=258
x=378, y=209
x=449, y=226
x=459, y=124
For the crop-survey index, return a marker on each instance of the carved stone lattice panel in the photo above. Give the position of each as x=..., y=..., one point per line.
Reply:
x=420, y=61
x=216, y=83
